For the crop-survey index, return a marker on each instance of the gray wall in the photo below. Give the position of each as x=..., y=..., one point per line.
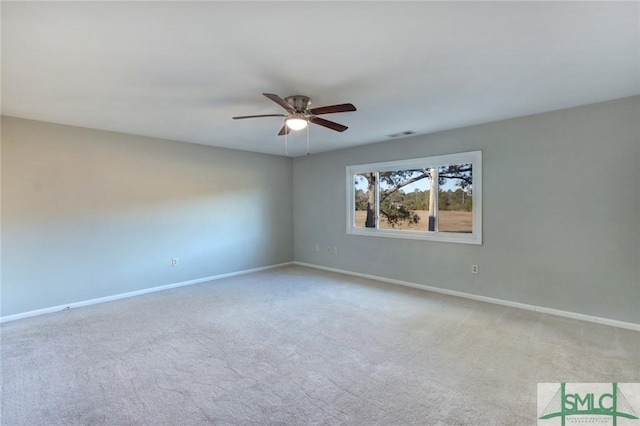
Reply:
x=561, y=212
x=88, y=213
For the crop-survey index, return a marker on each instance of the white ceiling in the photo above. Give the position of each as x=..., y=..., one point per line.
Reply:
x=181, y=70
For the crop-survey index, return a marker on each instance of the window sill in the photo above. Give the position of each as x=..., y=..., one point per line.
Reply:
x=446, y=237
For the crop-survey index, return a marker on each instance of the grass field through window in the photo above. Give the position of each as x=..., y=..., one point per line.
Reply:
x=448, y=221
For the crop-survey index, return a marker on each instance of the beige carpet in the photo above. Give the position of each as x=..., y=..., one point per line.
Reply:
x=297, y=346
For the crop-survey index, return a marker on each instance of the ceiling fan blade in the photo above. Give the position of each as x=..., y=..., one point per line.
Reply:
x=329, y=124
x=284, y=131
x=332, y=109
x=277, y=99
x=258, y=116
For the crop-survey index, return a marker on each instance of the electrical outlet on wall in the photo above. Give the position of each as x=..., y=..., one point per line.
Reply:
x=475, y=269
x=174, y=261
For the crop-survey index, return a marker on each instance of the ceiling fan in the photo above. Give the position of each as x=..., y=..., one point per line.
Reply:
x=299, y=114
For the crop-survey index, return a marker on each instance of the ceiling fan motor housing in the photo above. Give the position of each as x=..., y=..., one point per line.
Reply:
x=299, y=102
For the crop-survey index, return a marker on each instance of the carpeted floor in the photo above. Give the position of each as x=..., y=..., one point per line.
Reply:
x=298, y=346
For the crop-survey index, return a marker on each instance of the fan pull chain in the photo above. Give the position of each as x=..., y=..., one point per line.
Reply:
x=286, y=140
x=307, y=139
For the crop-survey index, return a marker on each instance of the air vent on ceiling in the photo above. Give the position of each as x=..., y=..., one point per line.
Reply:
x=401, y=134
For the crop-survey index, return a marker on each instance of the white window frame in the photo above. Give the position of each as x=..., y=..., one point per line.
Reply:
x=472, y=157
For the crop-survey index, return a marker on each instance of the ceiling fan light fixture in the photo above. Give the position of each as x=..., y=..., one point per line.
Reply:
x=297, y=122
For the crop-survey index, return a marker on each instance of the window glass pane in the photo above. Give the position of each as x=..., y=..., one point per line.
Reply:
x=365, y=200
x=455, y=201
x=404, y=199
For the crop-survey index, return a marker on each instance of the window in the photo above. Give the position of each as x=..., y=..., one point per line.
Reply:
x=431, y=198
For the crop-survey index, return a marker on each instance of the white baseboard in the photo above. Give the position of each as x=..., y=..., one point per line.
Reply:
x=541, y=309
x=134, y=293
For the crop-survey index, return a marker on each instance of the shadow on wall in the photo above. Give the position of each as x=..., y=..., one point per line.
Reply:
x=88, y=213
